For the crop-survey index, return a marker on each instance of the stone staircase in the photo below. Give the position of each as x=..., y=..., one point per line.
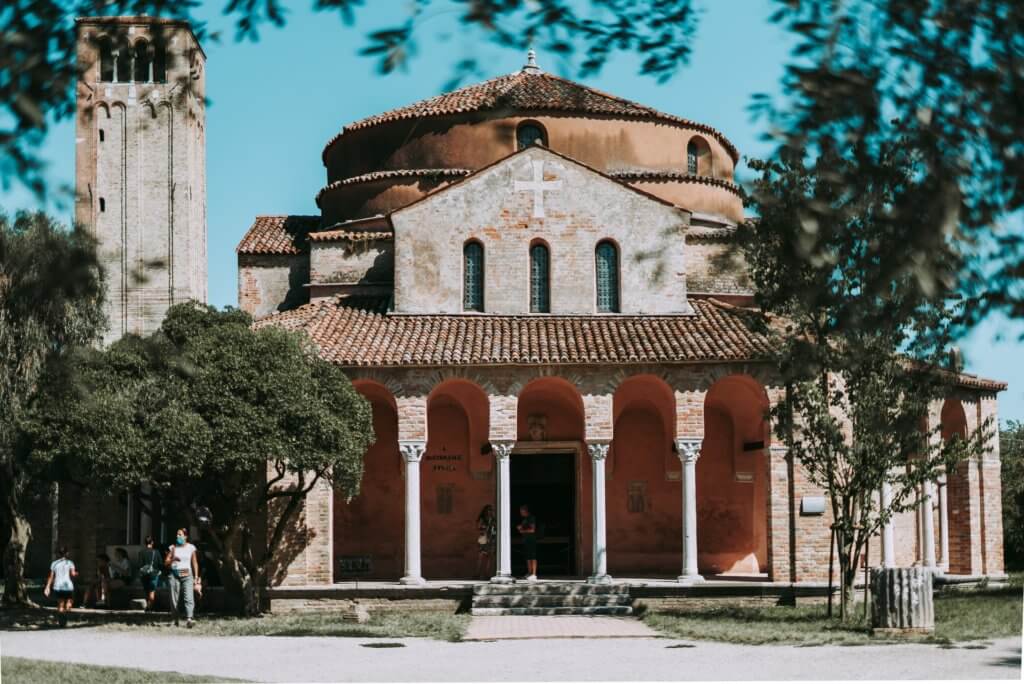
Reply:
x=552, y=598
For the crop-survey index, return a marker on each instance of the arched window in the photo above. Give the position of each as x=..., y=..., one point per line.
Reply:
x=142, y=73
x=473, y=277
x=123, y=64
x=540, y=286
x=698, y=157
x=528, y=133
x=607, y=267
x=159, y=64
x=106, y=60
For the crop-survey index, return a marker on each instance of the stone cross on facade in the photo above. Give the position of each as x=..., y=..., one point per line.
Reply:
x=538, y=186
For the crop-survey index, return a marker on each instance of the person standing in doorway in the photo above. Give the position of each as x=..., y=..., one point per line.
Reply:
x=487, y=530
x=528, y=528
x=184, y=566
x=60, y=583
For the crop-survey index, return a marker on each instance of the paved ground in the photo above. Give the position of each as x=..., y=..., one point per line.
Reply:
x=354, y=659
x=486, y=628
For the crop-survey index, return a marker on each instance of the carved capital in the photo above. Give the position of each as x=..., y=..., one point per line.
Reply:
x=502, y=450
x=412, y=450
x=598, y=450
x=688, y=449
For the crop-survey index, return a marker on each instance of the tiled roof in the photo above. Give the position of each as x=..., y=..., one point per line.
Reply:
x=531, y=91
x=633, y=175
x=278, y=235
x=351, y=336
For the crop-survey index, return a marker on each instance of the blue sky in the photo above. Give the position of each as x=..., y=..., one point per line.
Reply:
x=275, y=103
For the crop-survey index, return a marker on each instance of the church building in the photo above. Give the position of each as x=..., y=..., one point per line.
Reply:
x=530, y=280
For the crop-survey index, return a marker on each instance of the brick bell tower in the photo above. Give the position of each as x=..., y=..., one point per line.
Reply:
x=140, y=164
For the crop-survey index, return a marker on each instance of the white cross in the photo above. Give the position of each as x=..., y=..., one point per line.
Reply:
x=538, y=185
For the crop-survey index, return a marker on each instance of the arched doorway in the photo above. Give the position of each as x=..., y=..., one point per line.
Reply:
x=456, y=479
x=958, y=493
x=643, y=490
x=369, y=529
x=548, y=472
x=732, y=496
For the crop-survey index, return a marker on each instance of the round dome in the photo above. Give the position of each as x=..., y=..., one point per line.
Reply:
x=386, y=161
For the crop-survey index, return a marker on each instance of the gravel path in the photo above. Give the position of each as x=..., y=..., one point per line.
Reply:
x=351, y=659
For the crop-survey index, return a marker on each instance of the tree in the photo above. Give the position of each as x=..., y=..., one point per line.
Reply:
x=51, y=293
x=1011, y=451
x=233, y=425
x=861, y=368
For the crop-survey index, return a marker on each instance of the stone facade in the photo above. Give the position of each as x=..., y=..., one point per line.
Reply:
x=140, y=164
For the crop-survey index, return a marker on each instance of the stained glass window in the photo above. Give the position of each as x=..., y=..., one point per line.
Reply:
x=529, y=133
x=607, y=263
x=473, y=274
x=540, y=291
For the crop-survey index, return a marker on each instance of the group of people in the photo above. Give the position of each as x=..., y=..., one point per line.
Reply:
x=487, y=526
x=179, y=564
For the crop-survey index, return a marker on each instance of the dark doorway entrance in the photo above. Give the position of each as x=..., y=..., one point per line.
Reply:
x=547, y=483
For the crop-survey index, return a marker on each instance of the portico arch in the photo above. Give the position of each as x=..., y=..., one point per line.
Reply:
x=732, y=501
x=456, y=478
x=644, y=514
x=958, y=497
x=369, y=529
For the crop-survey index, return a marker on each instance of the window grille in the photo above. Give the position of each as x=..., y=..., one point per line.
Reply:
x=473, y=274
x=607, y=259
x=540, y=291
x=691, y=158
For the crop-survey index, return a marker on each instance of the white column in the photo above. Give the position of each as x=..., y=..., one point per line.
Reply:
x=888, y=535
x=412, y=454
x=928, y=525
x=502, y=454
x=943, y=524
x=688, y=451
x=598, y=454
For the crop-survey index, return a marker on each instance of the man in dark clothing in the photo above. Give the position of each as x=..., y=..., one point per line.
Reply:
x=528, y=528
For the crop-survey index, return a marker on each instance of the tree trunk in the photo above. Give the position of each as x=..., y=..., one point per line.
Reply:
x=14, y=559
x=244, y=587
x=902, y=600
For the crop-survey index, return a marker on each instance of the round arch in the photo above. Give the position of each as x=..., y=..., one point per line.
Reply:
x=958, y=494
x=732, y=487
x=550, y=409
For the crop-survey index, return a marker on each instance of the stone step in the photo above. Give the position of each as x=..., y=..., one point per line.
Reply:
x=536, y=588
x=565, y=610
x=548, y=601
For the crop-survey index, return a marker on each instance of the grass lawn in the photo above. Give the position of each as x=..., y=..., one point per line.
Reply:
x=434, y=624
x=26, y=671
x=959, y=616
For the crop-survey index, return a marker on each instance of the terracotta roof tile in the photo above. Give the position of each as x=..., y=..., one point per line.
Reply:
x=375, y=176
x=278, y=235
x=351, y=336
x=530, y=91
x=654, y=176
x=350, y=235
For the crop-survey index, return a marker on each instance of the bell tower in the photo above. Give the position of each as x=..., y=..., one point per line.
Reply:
x=140, y=164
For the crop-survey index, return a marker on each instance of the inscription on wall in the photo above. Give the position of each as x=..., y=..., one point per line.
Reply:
x=445, y=463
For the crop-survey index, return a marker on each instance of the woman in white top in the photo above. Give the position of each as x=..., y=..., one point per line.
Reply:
x=60, y=584
x=184, y=566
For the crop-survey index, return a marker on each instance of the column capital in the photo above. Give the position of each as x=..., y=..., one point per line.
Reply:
x=503, y=449
x=412, y=449
x=688, y=449
x=598, y=450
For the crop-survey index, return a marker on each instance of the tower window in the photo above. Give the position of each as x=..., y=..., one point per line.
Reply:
x=529, y=133
x=473, y=277
x=698, y=157
x=159, y=64
x=607, y=267
x=540, y=290
x=106, y=60
x=123, y=65
x=103, y=204
x=101, y=135
x=142, y=70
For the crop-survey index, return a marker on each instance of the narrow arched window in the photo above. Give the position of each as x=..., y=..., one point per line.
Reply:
x=698, y=157
x=607, y=267
x=529, y=133
x=159, y=64
x=106, y=60
x=142, y=73
x=540, y=286
x=473, y=277
x=123, y=64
